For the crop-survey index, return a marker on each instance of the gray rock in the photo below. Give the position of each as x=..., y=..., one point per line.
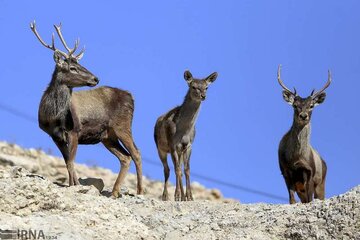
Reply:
x=98, y=183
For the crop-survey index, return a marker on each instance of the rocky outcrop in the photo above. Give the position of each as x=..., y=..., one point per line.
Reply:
x=54, y=169
x=31, y=202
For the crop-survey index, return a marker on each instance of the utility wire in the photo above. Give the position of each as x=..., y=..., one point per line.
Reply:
x=13, y=111
x=223, y=183
x=24, y=116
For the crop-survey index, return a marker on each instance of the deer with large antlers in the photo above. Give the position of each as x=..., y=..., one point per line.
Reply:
x=301, y=165
x=174, y=133
x=102, y=115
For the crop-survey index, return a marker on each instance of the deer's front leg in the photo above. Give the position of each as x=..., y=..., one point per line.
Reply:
x=181, y=158
x=187, y=155
x=178, y=173
x=291, y=196
x=289, y=185
x=68, y=150
x=291, y=191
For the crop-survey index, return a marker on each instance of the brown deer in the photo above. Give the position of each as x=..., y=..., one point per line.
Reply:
x=301, y=165
x=175, y=131
x=102, y=115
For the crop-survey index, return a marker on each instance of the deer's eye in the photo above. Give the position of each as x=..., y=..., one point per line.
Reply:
x=193, y=87
x=73, y=69
x=298, y=108
x=311, y=106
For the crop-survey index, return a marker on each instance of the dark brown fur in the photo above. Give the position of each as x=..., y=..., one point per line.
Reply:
x=303, y=168
x=102, y=115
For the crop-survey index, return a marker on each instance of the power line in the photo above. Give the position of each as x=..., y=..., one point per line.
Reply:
x=29, y=118
x=223, y=183
x=17, y=113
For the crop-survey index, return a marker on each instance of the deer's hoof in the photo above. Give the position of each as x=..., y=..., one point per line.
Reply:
x=76, y=182
x=140, y=191
x=115, y=194
x=177, y=198
x=165, y=197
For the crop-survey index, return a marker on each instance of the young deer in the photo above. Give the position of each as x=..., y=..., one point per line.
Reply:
x=303, y=168
x=102, y=115
x=175, y=131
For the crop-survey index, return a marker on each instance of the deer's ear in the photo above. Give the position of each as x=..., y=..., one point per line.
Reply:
x=288, y=97
x=188, y=76
x=319, y=99
x=58, y=58
x=211, y=78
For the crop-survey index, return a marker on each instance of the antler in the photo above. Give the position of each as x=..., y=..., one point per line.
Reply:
x=70, y=51
x=81, y=54
x=282, y=84
x=327, y=84
x=52, y=47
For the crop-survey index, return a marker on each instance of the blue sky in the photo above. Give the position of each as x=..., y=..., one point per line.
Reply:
x=145, y=46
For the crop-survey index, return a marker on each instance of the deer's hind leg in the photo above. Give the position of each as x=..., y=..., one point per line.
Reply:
x=320, y=188
x=163, y=158
x=126, y=138
x=115, y=148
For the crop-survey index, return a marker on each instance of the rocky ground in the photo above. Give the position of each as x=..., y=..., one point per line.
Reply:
x=30, y=200
x=54, y=169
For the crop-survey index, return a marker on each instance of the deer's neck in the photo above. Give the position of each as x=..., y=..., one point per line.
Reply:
x=300, y=139
x=56, y=101
x=188, y=112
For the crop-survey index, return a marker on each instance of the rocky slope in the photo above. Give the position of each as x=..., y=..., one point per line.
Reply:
x=53, y=168
x=30, y=201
